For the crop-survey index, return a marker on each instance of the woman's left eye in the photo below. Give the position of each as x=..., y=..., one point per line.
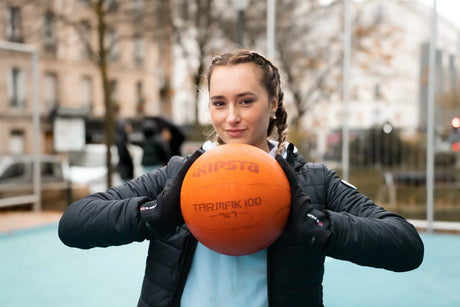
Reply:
x=247, y=101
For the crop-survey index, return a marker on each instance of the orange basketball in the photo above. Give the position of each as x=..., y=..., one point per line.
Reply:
x=235, y=199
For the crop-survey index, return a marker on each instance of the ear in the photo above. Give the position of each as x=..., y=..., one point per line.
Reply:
x=274, y=106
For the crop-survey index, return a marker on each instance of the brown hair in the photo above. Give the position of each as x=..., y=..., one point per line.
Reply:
x=270, y=80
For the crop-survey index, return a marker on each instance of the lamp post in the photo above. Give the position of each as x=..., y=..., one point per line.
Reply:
x=271, y=18
x=346, y=89
x=240, y=6
x=430, y=120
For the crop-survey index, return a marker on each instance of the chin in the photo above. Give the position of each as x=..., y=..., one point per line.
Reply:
x=236, y=141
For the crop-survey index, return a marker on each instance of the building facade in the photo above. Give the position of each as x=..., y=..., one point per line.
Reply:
x=64, y=33
x=388, y=85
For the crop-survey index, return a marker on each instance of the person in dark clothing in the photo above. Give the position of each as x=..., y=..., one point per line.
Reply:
x=328, y=216
x=155, y=151
x=125, y=167
x=172, y=134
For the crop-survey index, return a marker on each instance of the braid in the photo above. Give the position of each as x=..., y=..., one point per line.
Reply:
x=271, y=81
x=280, y=120
x=281, y=123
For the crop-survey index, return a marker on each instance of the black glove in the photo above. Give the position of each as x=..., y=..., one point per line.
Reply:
x=163, y=215
x=305, y=222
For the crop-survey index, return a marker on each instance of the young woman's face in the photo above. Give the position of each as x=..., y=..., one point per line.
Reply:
x=239, y=105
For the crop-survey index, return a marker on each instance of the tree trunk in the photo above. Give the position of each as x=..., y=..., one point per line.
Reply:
x=198, y=78
x=109, y=117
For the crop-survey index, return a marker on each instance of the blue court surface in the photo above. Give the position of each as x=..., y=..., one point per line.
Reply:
x=36, y=269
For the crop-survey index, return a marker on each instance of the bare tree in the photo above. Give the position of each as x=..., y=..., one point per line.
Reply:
x=310, y=51
x=200, y=27
x=107, y=15
x=92, y=26
x=313, y=61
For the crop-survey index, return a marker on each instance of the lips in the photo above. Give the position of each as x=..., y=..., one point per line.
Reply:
x=235, y=132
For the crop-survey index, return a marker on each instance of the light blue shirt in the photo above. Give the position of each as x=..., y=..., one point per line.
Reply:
x=220, y=280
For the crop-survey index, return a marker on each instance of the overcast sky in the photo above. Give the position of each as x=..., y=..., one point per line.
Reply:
x=449, y=9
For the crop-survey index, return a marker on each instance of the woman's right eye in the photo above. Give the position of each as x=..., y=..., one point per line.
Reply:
x=218, y=103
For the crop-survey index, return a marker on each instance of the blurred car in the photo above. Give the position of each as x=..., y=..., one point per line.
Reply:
x=16, y=170
x=89, y=167
x=16, y=179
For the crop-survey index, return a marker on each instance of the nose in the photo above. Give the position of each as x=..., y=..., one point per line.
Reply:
x=233, y=115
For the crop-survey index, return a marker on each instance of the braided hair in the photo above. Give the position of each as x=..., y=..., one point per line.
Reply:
x=270, y=80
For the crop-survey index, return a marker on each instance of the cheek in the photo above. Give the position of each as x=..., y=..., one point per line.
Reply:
x=216, y=119
x=262, y=120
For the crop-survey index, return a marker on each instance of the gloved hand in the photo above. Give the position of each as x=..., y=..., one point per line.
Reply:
x=163, y=215
x=305, y=222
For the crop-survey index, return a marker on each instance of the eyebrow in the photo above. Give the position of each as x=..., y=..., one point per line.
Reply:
x=238, y=95
x=217, y=97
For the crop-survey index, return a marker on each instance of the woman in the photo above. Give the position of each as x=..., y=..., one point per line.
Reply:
x=328, y=217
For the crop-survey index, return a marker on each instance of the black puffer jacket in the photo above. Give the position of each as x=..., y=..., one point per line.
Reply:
x=362, y=232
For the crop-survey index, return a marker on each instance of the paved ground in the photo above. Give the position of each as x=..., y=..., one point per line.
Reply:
x=19, y=220
x=36, y=269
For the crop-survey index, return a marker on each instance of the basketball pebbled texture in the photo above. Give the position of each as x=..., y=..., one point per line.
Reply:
x=235, y=199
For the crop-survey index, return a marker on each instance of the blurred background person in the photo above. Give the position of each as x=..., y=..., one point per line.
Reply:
x=155, y=150
x=125, y=166
x=172, y=135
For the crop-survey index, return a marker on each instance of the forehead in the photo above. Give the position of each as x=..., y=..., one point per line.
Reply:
x=244, y=73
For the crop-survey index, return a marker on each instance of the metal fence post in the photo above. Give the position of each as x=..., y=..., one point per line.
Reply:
x=430, y=123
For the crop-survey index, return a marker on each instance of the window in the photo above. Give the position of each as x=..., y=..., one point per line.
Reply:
x=377, y=92
x=379, y=14
x=138, y=8
x=51, y=90
x=16, y=142
x=111, y=5
x=14, y=172
x=51, y=172
x=439, y=84
x=140, y=99
x=113, y=45
x=22, y=172
x=49, y=33
x=13, y=24
x=452, y=73
x=86, y=92
x=138, y=50
x=86, y=39
x=16, y=88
